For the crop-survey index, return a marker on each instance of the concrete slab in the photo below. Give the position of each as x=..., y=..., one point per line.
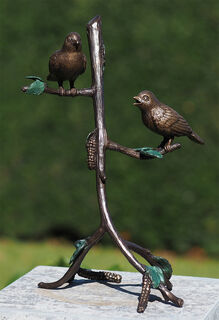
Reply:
x=88, y=300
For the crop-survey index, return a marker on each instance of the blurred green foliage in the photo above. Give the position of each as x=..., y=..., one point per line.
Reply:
x=168, y=47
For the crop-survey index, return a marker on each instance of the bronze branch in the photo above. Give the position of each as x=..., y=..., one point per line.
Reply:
x=86, y=92
x=135, y=154
x=97, y=144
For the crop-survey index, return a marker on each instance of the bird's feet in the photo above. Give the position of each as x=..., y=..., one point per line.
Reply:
x=73, y=92
x=61, y=91
x=167, y=148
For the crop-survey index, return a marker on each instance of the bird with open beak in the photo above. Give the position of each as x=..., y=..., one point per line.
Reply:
x=163, y=120
x=67, y=63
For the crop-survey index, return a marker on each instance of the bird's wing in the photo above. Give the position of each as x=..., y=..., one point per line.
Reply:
x=181, y=127
x=54, y=65
x=170, y=122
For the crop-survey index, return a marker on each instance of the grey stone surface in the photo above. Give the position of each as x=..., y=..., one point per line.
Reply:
x=88, y=300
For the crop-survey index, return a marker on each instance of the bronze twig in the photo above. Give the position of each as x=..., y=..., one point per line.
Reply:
x=69, y=275
x=86, y=92
x=135, y=154
x=169, y=296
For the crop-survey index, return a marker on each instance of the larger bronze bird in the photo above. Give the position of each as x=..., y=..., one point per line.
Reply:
x=163, y=120
x=67, y=63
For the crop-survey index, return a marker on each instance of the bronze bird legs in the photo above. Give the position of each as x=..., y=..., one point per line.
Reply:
x=62, y=90
x=166, y=144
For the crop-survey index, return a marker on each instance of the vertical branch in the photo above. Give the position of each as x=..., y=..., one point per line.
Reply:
x=97, y=63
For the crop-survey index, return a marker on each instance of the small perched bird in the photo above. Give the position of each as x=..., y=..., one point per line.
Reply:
x=163, y=120
x=67, y=63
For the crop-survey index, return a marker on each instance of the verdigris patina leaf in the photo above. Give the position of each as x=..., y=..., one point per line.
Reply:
x=37, y=87
x=149, y=151
x=34, y=78
x=156, y=275
x=79, y=245
x=165, y=265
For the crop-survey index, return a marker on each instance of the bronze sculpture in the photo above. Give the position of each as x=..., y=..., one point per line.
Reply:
x=67, y=63
x=163, y=120
x=158, y=274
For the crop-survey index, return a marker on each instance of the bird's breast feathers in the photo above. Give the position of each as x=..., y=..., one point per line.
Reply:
x=160, y=119
x=67, y=65
x=158, y=114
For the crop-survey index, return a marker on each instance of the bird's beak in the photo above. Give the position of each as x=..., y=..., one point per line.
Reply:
x=75, y=43
x=137, y=101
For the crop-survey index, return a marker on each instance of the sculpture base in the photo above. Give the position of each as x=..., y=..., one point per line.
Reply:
x=86, y=299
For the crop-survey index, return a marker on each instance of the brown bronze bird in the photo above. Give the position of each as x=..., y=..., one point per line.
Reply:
x=163, y=120
x=67, y=63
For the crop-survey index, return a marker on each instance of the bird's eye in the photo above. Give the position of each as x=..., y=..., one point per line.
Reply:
x=146, y=98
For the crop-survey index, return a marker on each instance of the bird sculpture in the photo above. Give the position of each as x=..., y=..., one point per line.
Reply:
x=163, y=120
x=67, y=63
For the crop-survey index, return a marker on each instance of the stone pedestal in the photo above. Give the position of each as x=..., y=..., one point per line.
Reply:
x=88, y=300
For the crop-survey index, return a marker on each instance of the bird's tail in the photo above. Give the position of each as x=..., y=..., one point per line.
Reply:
x=194, y=137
